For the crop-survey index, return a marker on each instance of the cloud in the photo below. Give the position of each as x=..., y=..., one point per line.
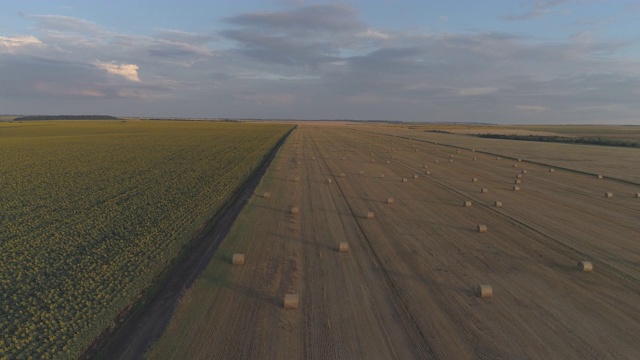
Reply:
x=127, y=71
x=537, y=8
x=11, y=44
x=281, y=49
x=375, y=34
x=311, y=19
x=320, y=61
x=305, y=36
x=174, y=49
x=273, y=99
x=59, y=23
x=180, y=36
x=476, y=91
x=633, y=7
x=535, y=108
x=603, y=108
x=76, y=90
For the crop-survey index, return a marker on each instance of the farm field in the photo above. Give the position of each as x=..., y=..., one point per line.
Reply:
x=620, y=132
x=405, y=288
x=616, y=162
x=92, y=212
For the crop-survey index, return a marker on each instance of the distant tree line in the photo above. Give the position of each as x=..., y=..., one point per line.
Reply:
x=65, y=117
x=566, y=139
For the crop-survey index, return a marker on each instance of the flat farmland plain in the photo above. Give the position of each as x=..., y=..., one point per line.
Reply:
x=92, y=213
x=405, y=290
x=617, y=162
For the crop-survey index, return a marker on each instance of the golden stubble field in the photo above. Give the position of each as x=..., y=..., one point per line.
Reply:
x=405, y=290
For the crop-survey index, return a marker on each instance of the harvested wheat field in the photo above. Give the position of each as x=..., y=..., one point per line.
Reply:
x=420, y=280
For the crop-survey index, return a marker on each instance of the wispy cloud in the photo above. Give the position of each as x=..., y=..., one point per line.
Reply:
x=634, y=7
x=375, y=34
x=65, y=24
x=536, y=9
x=11, y=44
x=476, y=91
x=534, y=108
x=311, y=19
x=127, y=71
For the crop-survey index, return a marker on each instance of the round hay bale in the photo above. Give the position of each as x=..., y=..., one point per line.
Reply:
x=436, y=161
x=388, y=162
x=437, y=149
x=266, y=195
x=608, y=194
x=237, y=259
x=637, y=195
x=600, y=177
x=484, y=190
x=518, y=176
x=516, y=188
x=482, y=228
x=381, y=175
x=361, y=172
x=425, y=166
x=519, y=160
x=451, y=156
x=370, y=215
x=343, y=247
x=484, y=291
x=517, y=181
x=475, y=159
x=415, y=176
x=371, y=153
x=515, y=165
x=473, y=150
x=450, y=160
x=457, y=151
x=551, y=170
x=498, y=204
x=467, y=203
x=474, y=179
x=497, y=157
x=344, y=158
x=328, y=181
x=585, y=266
x=296, y=178
x=373, y=160
x=294, y=210
x=427, y=172
x=404, y=179
x=291, y=301
x=390, y=200
x=524, y=171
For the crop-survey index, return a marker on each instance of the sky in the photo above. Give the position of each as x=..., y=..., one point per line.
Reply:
x=495, y=61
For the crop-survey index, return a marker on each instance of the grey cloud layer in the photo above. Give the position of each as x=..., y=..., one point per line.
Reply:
x=323, y=61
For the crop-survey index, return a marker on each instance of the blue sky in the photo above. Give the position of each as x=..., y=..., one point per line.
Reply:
x=529, y=61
